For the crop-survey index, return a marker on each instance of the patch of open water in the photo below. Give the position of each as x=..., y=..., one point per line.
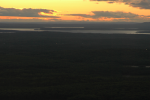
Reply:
x=74, y=31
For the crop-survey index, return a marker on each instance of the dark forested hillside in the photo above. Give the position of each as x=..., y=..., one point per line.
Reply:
x=73, y=66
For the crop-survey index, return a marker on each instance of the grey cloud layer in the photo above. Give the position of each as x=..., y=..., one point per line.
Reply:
x=24, y=12
x=98, y=14
x=143, y=4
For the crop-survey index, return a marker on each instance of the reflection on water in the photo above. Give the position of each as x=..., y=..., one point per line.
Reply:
x=74, y=31
x=102, y=31
x=65, y=27
x=19, y=29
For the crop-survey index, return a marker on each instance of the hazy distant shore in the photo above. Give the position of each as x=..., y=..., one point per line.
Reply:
x=73, y=30
x=103, y=40
x=84, y=26
x=144, y=31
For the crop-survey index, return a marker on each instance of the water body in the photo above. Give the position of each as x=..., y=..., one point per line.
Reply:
x=65, y=27
x=73, y=30
x=20, y=29
x=102, y=31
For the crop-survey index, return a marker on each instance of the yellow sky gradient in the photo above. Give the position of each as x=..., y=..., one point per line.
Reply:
x=73, y=7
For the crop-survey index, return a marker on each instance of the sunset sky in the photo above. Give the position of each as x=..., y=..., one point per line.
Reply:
x=74, y=10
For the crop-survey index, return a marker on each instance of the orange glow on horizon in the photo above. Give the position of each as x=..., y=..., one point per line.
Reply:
x=69, y=18
x=62, y=8
x=78, y=18
x=15, y=17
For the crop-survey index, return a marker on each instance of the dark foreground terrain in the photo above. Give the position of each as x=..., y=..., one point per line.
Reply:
x=67, y=66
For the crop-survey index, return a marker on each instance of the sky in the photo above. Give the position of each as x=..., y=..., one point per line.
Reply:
x=74, y=10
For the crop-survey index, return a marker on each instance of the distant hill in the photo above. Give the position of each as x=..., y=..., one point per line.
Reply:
x=86, y=25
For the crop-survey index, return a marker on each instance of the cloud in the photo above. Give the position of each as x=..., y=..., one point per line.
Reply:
x=110, y=2
x=142, y=4
x=26, y=12
x=108, y=14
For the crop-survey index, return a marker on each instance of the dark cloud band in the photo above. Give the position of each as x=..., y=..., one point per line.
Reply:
x=25, y=12
x=108, y=14
x=143, y=4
